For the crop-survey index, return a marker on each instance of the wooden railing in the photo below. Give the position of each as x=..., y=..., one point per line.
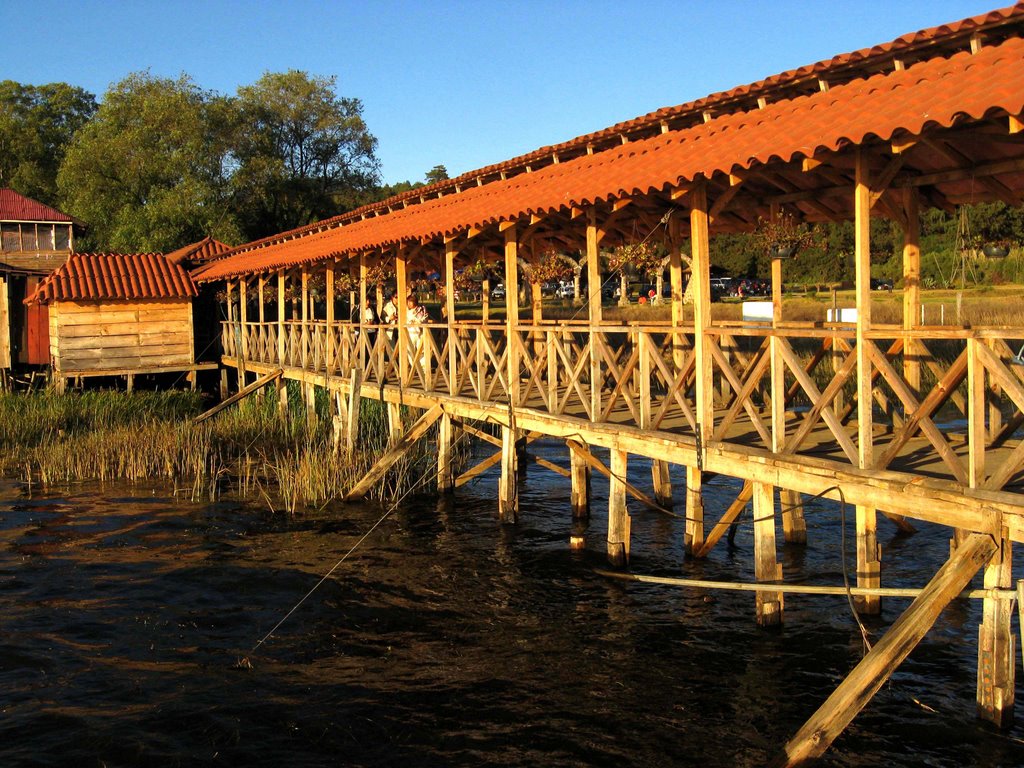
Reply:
x=947, y=401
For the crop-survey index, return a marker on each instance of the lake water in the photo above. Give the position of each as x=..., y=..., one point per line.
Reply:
x=129, y=620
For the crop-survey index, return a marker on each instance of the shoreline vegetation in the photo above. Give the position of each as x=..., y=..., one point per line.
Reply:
x=51, y=439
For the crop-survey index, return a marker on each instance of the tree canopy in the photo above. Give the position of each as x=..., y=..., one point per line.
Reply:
x=37, y=123
x=148, y=172
x=303, y=152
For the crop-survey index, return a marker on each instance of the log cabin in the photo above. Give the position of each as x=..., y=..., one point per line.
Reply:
x=123, y=314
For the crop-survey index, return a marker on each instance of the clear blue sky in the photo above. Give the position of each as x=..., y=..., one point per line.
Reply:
x=464, y=84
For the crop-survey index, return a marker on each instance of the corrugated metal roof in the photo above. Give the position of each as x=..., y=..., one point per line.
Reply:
x=931, y=94
x=111, y=276
x=17, y=207
x=854, y=64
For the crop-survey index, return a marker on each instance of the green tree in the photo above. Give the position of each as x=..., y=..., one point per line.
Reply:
x=436, y=174
x=148, y=172
x=37, y=123
x=303, y=152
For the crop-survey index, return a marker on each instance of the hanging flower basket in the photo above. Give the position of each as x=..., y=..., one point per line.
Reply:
x=996, y=250
x=645, y=258
x=782, y=237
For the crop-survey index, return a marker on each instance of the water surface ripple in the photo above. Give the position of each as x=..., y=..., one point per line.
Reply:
x=447, y=640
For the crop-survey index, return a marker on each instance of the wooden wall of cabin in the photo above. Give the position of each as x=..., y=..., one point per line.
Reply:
x=5, y=325
x=121, y=336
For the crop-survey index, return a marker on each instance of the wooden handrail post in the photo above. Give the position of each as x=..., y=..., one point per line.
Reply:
x=329, y=336
x=305, y=317
x=282, y=275
x=402, y=288
x=364, y=351
x=449, y=302
x=594, y=310
x=912, y=287
x=512, y=311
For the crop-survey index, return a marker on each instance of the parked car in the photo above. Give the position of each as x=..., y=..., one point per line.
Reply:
x=498, y=291
x=881, y=284
x=565, y=290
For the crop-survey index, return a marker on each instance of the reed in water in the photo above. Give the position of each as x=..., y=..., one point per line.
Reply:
x=249, y=450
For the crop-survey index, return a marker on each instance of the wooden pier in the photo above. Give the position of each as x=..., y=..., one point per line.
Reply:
x=859, y=411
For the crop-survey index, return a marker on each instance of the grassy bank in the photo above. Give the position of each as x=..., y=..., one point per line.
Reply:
x=46, y=438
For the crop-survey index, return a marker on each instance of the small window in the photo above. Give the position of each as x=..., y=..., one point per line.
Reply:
x=11, y=237
x=62, y=238
x=44, y=232
x=28, y=237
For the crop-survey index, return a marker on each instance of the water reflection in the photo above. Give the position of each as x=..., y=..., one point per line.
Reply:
x=446, y=640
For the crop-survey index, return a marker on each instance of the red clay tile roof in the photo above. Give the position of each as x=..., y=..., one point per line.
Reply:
x=17, y=207
x=933, y=93
x=842, y=67
x=106, y=276
x=198, y=253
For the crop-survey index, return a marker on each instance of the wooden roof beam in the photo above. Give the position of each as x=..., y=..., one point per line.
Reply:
x=955, y=156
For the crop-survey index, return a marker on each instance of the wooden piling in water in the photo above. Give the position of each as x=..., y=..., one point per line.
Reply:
x=766, y=565
x=508, y=480
x=579, y=472
x=794, y=527
x=618, y=517
x=996, y=654
x=694, y=527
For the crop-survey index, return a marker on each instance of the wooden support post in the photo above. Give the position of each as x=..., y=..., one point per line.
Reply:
x=694, y=528
x=977, y=405
x=594, y=311
x=874, y=669
x=794, y=527
x=675, y=267
x=449, y=303
x=395, y=428
x=618, y=517
x=282, y=275
x=485, y=300
x=778, y=365
x=261, y=282
x=662, y=483
x=339, y=419
x=996, y=654
x=912, y=287
x=329, y=326
x=397, y=451
x=512, y=318
x=766, y=566
x=355, y=400
x=361, y=360
x=660, y=476
x=131, y=382
x=223, y=383
x=309, y=390
x=445, y=460
x=402, y=286
x=580, y=476
x=282, y=400
x=868, y=552
x=508, y=480
x=305, y=318
x=700, y=276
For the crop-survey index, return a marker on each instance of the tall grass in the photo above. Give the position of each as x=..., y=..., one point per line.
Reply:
x=248, y=450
